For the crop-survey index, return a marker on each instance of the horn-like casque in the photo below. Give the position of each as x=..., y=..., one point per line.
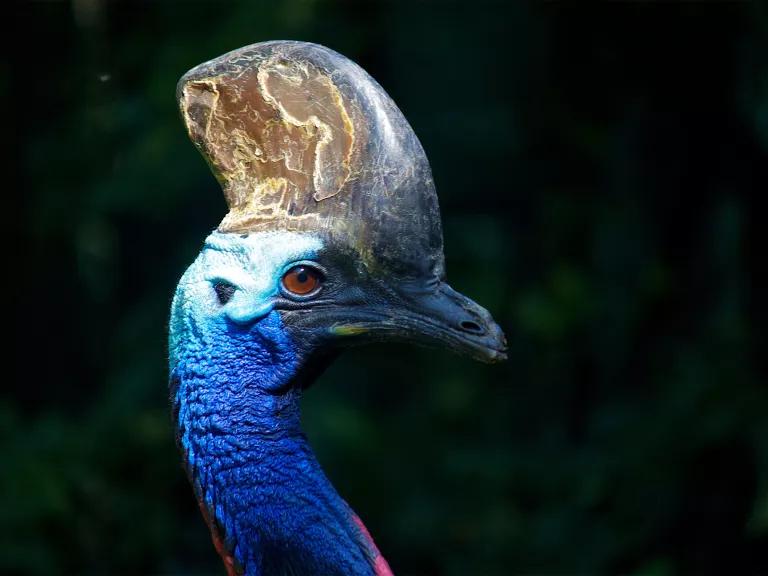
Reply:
x=301, y=138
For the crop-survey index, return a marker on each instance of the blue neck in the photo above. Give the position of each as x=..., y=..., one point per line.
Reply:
x=267, y=501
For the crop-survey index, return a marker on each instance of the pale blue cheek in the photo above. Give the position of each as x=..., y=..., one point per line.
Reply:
x=247, y=312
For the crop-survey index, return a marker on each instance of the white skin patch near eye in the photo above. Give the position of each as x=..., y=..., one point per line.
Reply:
x=252, y=264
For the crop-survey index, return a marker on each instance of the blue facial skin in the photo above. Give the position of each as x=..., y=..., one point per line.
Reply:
x=237, y=416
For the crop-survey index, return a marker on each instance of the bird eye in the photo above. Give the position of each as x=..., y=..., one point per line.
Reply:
x=224, y=291
x=302, y=280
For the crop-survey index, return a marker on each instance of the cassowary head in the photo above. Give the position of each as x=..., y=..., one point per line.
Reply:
x=332, y=238
x=333, y=235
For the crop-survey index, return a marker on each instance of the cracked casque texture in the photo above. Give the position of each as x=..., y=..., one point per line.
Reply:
x=303, y=139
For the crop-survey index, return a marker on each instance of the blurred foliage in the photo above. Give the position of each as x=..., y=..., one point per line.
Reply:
x=602, y=170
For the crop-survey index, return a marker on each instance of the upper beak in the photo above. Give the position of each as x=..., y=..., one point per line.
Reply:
x=438, y=316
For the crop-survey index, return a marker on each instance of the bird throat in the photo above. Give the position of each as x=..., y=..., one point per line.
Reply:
x=270, y=507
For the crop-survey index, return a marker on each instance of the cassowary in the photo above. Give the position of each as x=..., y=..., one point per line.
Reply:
x=332, y=238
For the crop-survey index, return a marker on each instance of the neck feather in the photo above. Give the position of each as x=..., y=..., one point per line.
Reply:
x=270, y=507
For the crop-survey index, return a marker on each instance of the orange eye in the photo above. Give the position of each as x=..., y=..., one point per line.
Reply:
x=301, y=280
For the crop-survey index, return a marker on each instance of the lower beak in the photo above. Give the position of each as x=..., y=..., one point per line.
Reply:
x=440, y=317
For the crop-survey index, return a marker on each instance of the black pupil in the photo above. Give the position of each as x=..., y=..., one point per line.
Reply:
x=302, y=275
x=224, y=291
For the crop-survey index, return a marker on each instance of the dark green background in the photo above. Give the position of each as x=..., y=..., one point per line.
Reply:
x=602, y=171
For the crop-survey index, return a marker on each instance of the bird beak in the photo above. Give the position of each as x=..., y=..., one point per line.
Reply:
x=435, y=317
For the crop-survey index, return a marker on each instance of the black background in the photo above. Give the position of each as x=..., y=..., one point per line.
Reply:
x=602, y=175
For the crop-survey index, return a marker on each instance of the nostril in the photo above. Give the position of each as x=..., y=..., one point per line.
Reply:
x=471, y=327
